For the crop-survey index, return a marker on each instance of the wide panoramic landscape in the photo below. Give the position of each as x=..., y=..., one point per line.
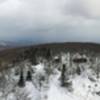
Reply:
x=49, y=50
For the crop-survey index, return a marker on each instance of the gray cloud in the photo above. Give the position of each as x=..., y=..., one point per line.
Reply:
x=50, y=20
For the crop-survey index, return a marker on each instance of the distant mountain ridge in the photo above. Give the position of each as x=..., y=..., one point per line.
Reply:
x=7, y=44
x=11, y=44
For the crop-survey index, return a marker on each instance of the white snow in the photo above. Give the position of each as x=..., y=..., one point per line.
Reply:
x=32, y=91
x=80, y=86
x=39, y=68
x=29, y=92
x=83, y=87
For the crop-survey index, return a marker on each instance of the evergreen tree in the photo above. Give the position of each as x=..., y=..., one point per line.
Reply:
x=32, y=57
x=21, y=82
x=65, y=81
x=48, y=54
x=78, y=70
x=63, y=75
x=29, y=76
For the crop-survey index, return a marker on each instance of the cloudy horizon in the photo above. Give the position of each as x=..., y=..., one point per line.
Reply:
x=50, y=20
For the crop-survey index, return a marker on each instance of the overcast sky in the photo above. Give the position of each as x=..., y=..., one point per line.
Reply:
x=50, y=20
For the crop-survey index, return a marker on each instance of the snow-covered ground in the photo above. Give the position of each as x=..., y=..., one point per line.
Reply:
x=47, y=85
